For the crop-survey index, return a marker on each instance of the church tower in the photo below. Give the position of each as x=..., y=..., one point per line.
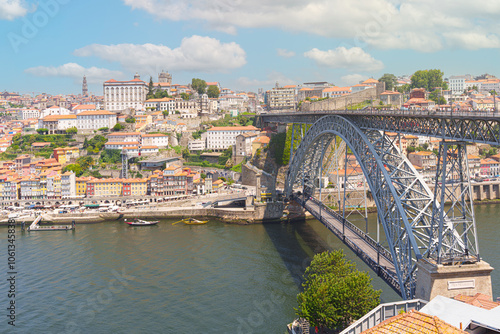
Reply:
x=85, y=88
x=165, y=77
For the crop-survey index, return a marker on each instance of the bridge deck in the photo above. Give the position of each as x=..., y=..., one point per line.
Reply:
x=375, y=256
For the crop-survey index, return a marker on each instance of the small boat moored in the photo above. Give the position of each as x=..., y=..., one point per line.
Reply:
x=140, y=222
x=35, y=227
x=191, y=221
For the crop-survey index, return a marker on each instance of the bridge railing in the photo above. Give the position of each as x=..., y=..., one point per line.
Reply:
x=398, y=112
x=383, y=272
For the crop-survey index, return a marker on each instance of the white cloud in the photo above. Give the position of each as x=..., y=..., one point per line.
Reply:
x=76, y=71
x=423, y=25
x=195, y=53
x=352, y=79
x=285, y=53
x=12, y=9
x=355, y=59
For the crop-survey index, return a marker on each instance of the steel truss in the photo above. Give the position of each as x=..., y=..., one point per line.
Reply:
x=454, y=228
x=403, y=200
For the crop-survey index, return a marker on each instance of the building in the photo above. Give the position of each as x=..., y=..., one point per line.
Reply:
x=95, y=119
x=158, y=139
x=221, y=138
x=243, y=145
x=57, y=123
x=104, y=187
x=68, y=185
x=135, y=187
x=197, y=145
x=28, y=114
x=121, y=95
x=392, y=98
x=489, y=167
x=125, y=137
x=64, y=154
x=282, y=97
x=85, y=88
x=121, y=145
x=260, y=143
x=332, y=92
x=165, y=77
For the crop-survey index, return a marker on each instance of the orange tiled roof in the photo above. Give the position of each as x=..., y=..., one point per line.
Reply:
x=233, y=128
x=413, y=322
x=479, y=300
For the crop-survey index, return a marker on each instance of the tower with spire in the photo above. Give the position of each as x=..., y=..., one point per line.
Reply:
x=85, y=88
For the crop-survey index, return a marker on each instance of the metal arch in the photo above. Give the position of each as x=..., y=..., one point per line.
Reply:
x=402, y=197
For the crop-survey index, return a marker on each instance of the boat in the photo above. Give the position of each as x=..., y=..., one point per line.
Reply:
x=35, y=227
x=191, y=221
x=140, y=222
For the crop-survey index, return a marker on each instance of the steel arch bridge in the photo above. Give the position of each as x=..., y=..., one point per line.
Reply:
x=405, y=204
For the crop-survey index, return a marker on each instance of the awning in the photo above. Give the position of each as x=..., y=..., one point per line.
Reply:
x=92, y=205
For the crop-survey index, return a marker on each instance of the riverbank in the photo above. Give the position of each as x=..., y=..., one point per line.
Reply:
x=258, y=213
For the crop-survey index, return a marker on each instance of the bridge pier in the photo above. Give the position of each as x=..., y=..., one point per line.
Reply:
x=450, y=280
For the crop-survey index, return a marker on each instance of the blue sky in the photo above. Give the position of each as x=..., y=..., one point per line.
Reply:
x=47, y=45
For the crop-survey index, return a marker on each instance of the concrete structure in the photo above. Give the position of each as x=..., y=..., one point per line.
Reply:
x=450, y=280
x=121, y=95
x=197, y=145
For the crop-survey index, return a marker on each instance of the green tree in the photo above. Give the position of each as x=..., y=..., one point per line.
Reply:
x=436, y=96
x=428, y=79
x=390, y=81
x=85, y=143
x=118, y=127
x=185, y=96
x=151, y=88
x=213, y=92
x=72, y=131
x=42, y=131
x=75, y=168
x=85, y=162
x=335, y=292
x=130, y=119
x=165, y=113
x=199, y=85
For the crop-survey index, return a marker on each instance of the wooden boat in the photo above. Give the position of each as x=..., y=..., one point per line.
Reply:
x=35, y=227
x=140, y=222
x=191, y=221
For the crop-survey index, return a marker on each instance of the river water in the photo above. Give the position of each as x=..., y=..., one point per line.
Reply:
x=214, y=278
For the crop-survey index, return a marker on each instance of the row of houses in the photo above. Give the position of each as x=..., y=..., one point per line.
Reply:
x=174, y=181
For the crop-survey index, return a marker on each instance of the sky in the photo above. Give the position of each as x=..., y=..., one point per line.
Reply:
x=47, y=46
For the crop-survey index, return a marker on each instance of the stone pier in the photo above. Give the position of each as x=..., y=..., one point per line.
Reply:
x=450, y=280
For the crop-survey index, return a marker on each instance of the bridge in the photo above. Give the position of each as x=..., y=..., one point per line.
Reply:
x=415, y=223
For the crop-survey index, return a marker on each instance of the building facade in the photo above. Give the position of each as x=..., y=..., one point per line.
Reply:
x=121, y=95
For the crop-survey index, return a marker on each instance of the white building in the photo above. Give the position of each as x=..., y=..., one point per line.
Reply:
x=28, y=113
x=125, y=137
x=456, y=83
x=68, y=185
x=332, y=92
x=158, y=140
x=120, y=95
x=57, y=123
x=54, y=110
x=243, y=145
x=120, y=145
x=152, y=149
x=95, y=119
x=220, y=138
x=282, y=97
x=197, y=145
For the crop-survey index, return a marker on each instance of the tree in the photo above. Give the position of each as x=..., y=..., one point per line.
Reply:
x=118, y=127
x=199, y=85
x=494, y=93
x=335, y=292
x=185, y=96
x=75, y=168
x=213, y=92
x=130, y=119
x=436, y=96
x=390, y=81
x=85, y=143
x=42, y=131
x=151, y=88
x=72, y=131
x=428, y=79
x=165, y=112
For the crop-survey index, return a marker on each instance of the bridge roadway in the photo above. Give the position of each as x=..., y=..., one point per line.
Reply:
x=375, y=256
x=473, y=126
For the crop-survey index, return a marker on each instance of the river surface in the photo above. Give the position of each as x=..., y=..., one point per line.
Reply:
x=214, y=278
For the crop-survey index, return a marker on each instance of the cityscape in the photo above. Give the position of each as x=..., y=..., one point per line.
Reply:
x=212, y=188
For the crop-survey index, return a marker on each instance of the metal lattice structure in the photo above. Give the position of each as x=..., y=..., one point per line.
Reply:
x=454, y=227
x=405, y=203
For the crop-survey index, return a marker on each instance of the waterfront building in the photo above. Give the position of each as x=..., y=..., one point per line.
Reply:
x=474, y=165
x=135, y=187
x=104, y=187
x=96, y=119
x=68, y=185
x=81, y=185
x=489, y=167
x=220, y=138
x=121, y=95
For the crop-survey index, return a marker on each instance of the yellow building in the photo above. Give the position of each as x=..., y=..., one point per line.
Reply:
x=104, y=187
x=138, y=187
x=81, y=185
x=64, y=154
